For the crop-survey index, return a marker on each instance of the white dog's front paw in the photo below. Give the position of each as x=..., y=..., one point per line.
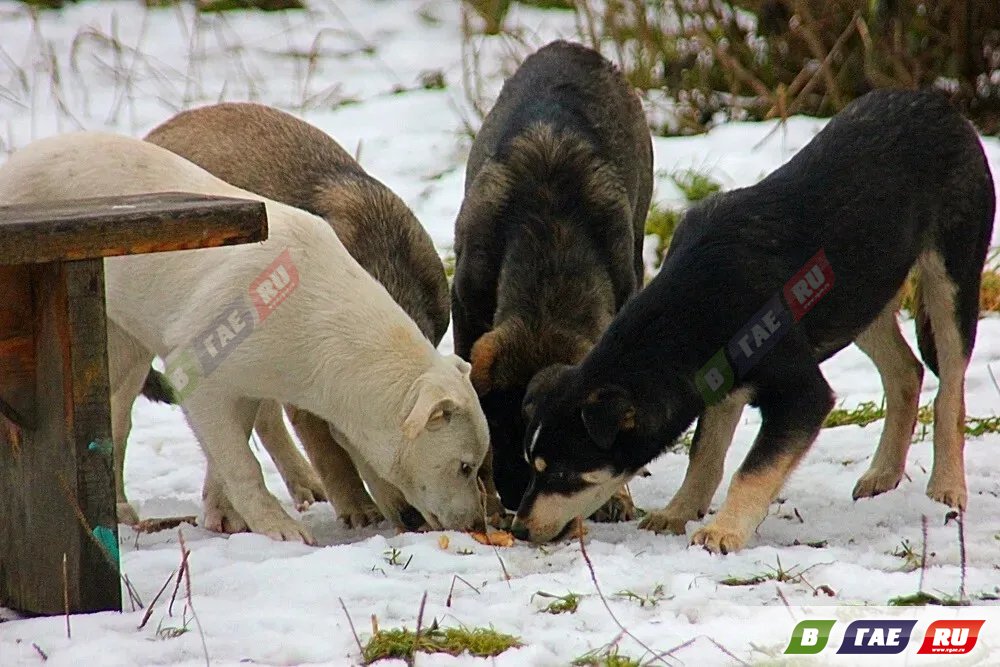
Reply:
x=282, y=528
x=221, y=516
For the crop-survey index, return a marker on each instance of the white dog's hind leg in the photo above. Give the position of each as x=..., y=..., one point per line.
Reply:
x=223, y=427
x=301, y=480
x=128, y=364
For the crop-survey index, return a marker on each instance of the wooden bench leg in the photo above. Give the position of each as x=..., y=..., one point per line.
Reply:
x=57, y=493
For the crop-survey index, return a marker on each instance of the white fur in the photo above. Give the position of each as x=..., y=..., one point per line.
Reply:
x=338, y=346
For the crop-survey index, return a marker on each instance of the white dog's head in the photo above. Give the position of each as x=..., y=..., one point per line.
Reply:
x=445, y=440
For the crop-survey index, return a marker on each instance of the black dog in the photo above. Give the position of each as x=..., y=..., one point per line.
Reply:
x=549, y=238
x=761, y=285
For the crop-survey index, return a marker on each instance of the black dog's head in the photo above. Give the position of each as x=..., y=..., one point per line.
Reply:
x=582, y=443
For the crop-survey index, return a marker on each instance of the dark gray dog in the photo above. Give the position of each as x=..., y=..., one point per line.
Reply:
x=548, y=242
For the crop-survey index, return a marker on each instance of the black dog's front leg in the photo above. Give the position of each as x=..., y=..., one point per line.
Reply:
x=793, y=406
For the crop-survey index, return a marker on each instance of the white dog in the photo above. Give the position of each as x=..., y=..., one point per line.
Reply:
x=336, y=344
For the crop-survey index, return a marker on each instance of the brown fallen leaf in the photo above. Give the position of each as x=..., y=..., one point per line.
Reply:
x=165, y=523
x=443, y=542
x=497, y=538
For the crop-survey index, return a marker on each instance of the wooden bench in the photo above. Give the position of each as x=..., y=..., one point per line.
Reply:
x=58, y=527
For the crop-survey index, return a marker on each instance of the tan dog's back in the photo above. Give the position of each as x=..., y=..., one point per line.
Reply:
x=276, y=155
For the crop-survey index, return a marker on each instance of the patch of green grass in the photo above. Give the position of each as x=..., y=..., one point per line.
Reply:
x=44, y=4
x=605, y=657
x=868, y=411
x=778, y=573
x=394, y=556
x=906, y=551
x=976, y=426
x=208, y=6
x=549, y=4
x=561, y=604
x=662, y=222
x=164, y=632
x=989, y=292
x=694, y=184
x=746, y=581
x=922, y=599
x=652, y=599
x=686, y=440
x=448, y=260
x=862, y=415
x=403, y=644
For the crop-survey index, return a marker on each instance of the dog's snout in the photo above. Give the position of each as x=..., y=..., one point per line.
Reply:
x=412, y=518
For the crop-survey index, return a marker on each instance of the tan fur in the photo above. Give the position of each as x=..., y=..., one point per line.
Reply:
x=716, y=427
x=484, y=355
x=901, y=375
x=303, y=485
x=745, y=506
x=511, y=354
x=336, y=470
x=937, y=297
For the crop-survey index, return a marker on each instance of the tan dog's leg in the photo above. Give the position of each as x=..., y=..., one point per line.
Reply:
x=712, y=438
x=947, y=483
x=902, y=376
x=746, y=505
x=301, y=480
x=390, y=501
x=792, y=408
x=339, y=476
x=493, y=508
x=619, y=507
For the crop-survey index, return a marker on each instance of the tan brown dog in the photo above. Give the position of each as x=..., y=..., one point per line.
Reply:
x=276, y=155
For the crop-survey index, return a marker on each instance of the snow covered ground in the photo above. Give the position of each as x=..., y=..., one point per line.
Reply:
x=117, y=66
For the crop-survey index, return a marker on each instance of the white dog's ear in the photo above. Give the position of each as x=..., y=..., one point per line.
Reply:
x=432, y=410
x=463, y=366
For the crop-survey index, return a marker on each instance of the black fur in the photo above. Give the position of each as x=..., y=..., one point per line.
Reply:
x=156, y=388
x=894, y=175
x=548, y=242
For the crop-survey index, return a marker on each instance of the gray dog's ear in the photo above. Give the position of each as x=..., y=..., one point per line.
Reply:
x=605, y=413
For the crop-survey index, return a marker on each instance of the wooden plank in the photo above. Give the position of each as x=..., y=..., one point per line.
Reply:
x=57, y=485
x=88, y=413
x=17, y=346
x=110, y=226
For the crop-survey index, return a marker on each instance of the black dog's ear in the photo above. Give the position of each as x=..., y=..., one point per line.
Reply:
x=542, y=383
x=605, y=413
